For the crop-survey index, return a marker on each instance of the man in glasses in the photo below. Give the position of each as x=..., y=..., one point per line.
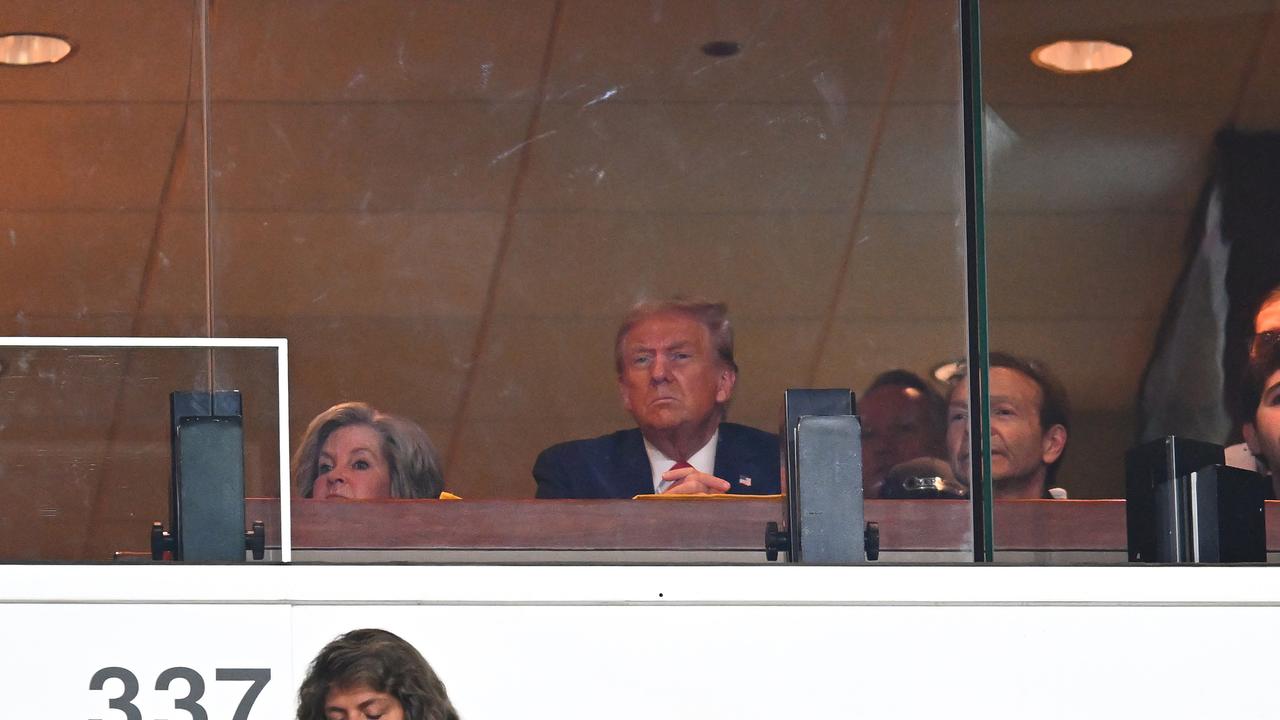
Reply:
x=1260, y=396
x=1260, y=400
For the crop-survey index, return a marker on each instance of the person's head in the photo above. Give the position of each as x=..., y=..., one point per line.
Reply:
x=903, y=418
x=1260, y=400
x=353, y=451
x=368, y=674
x=1268, y=315
x=1263, y=317
x=675, y=365
x=1029, y=426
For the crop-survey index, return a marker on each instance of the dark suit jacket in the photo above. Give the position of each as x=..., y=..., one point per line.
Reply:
x=616, y=466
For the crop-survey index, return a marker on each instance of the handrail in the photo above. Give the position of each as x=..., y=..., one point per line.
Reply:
x=905, y=525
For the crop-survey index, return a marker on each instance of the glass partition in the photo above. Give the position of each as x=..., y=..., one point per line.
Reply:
x=447, y=208
x=85, y=443
x=102, y=219
x=101, y=234
x=1111, y=258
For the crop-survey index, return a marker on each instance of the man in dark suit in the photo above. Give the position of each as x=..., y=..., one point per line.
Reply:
x=676, y=375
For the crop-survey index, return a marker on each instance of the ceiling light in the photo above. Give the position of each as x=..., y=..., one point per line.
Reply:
x=1073, y=57
x=948, y=371
x=28, y=49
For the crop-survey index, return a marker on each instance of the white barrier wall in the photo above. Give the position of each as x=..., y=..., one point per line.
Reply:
x=644, y=642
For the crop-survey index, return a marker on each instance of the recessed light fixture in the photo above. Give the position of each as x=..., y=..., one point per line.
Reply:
x=32, y=49
x=1075, y=57
x=722, y=48
x=948, y=371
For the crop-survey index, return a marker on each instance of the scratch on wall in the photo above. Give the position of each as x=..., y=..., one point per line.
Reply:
x=516, y=148
x=604, y=96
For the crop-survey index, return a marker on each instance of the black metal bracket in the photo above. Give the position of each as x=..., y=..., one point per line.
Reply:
x=255, y=540
x=777, y=540
x=871, y=541
x=163, y=542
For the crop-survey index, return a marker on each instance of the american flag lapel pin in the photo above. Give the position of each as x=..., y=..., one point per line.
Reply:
x=744, y=480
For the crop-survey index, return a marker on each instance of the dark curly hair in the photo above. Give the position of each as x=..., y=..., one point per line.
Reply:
x=381, y=661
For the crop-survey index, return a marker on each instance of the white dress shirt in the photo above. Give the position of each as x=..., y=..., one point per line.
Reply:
x=703, y=461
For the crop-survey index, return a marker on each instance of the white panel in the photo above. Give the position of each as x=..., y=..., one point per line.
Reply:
x=65, y=646
x=779, y=584
x=824, y=662
x=692, y=642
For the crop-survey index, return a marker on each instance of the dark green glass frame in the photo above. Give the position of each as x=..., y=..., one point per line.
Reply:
x=976, y=282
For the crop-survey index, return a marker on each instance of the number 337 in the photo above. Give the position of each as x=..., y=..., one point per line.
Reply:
x=195, y=683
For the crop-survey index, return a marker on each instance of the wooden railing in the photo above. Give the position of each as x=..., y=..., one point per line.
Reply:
x=905, y=525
